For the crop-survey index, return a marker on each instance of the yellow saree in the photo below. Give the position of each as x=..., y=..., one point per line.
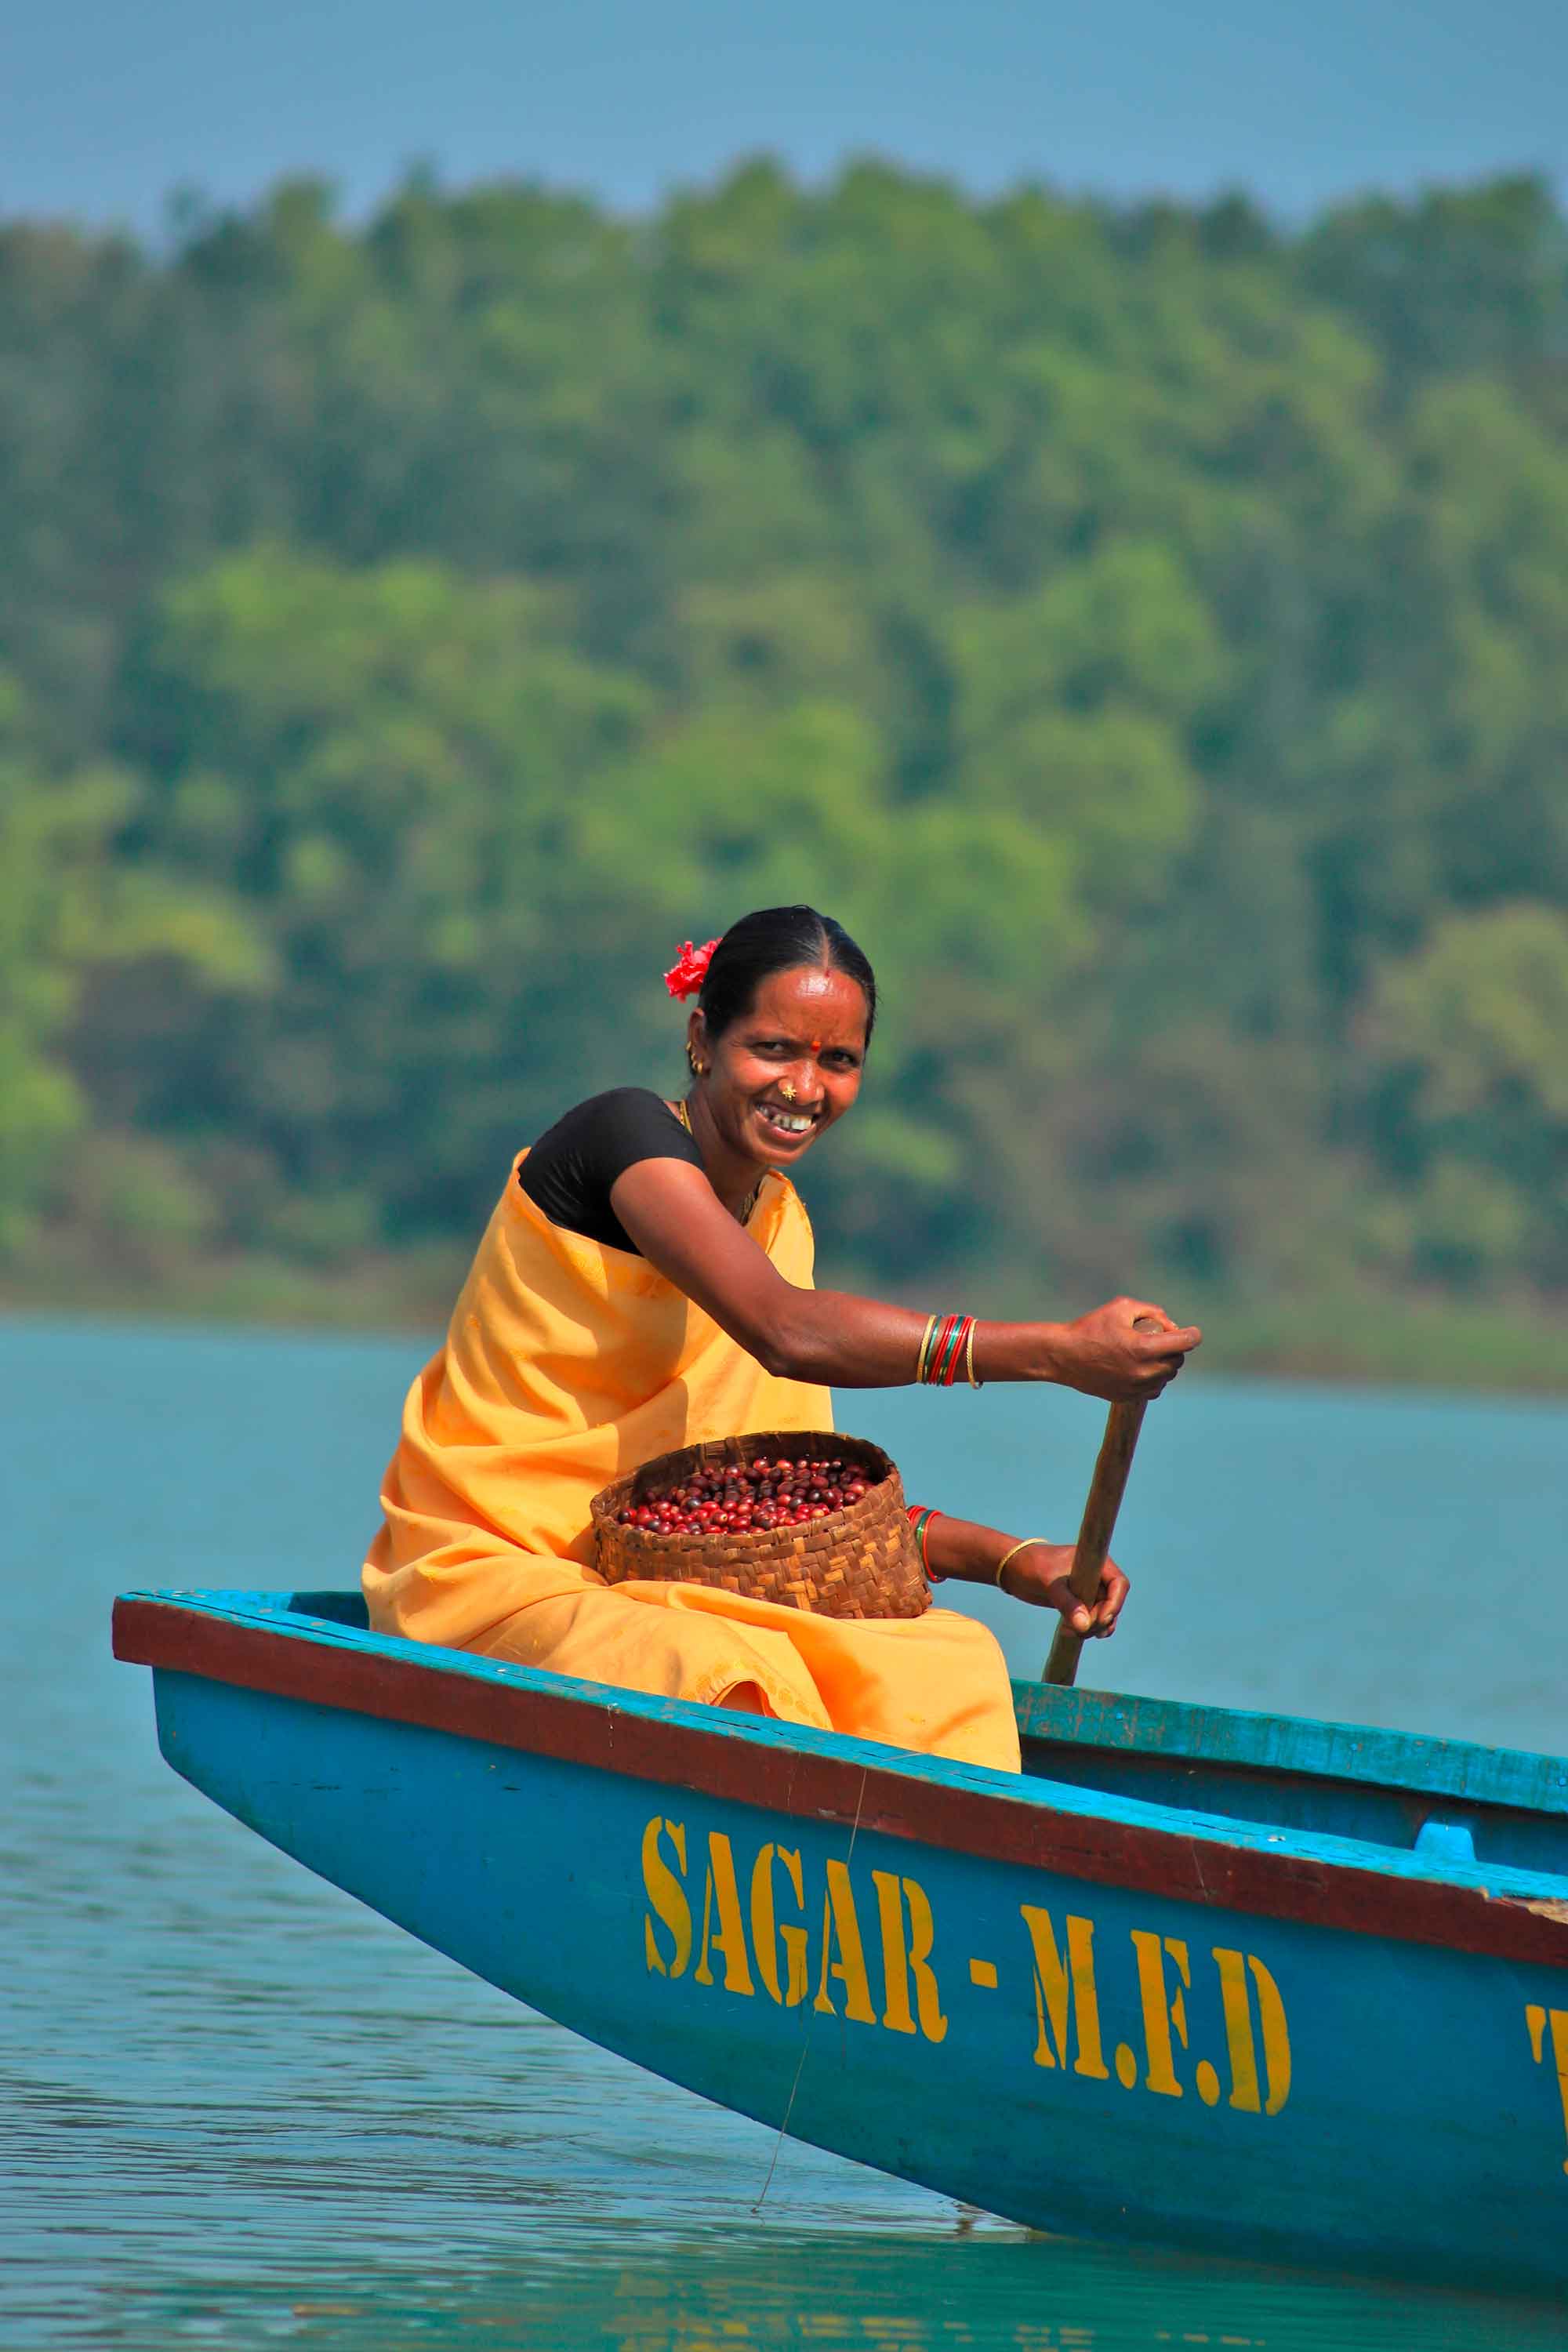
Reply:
x=566, y=1364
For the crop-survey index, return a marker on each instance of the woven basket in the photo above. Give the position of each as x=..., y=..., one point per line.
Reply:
x=860, y=1561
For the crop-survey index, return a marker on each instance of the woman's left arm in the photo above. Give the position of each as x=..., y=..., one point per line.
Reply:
x=1038, y=1572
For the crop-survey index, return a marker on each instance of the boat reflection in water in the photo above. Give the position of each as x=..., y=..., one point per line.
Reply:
x=984, y=2285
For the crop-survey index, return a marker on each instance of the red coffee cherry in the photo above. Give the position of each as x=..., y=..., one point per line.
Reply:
x=771, y=1491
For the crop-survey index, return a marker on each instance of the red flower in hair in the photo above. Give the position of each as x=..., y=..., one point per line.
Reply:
x=689, y=969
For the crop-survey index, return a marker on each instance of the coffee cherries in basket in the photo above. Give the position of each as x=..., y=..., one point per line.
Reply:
x=763, y=1494
x=807, y=1518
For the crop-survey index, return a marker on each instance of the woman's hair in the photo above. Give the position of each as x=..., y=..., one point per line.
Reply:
x=778, y=939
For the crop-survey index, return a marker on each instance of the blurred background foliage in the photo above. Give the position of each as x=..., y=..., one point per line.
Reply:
x=1145, y=628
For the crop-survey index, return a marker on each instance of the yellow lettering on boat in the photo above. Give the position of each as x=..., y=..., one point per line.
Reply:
x=720, y=1894
x=841, y=1928
x=761, y=1929
x=1245, y=2093
x=1065, y=1990
x=668, y=1896
x=767, y=1935
x=1537, y=2020
x=1162, y=2007
x=906, y=1955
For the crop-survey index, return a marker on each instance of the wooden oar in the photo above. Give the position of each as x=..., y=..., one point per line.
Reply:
x=1123, y=1424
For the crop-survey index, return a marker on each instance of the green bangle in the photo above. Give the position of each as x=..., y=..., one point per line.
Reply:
x=1017, y=1547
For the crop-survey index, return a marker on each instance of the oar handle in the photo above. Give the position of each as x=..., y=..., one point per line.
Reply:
x=1123, y=1424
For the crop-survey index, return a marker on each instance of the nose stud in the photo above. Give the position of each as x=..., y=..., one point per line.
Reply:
x=787, y=1091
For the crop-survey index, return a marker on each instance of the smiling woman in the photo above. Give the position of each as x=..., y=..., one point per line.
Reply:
x=646, y=1284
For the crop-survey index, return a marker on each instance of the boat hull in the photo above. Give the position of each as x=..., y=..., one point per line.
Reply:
x=1094, y=2015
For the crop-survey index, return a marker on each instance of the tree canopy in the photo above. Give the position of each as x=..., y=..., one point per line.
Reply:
x=1143, y=627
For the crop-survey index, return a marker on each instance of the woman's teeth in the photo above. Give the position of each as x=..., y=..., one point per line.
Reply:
x=792, y=1122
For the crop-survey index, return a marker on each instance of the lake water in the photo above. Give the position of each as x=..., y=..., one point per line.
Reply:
x=240, y=2111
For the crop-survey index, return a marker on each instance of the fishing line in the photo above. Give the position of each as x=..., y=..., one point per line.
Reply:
x=811, y=2018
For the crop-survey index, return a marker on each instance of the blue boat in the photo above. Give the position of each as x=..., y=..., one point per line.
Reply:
x=1243, y=1985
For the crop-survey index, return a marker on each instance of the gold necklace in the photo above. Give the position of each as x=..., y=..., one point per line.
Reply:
x=750, y=1202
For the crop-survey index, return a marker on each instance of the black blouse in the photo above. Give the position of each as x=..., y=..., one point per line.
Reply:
x=571, y=1169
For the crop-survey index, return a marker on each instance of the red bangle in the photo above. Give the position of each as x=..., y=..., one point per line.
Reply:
x=920, y=1517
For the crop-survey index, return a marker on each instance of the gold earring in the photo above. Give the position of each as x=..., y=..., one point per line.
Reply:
x=692, y=1061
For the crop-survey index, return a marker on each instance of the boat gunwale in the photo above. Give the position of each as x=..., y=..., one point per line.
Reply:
x=236, y=1638
x=1174, y=1731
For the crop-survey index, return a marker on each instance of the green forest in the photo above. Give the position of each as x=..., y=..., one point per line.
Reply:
x=1146, y=627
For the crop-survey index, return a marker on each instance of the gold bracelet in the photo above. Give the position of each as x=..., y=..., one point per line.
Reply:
x=925, y=1344
x=1017, y=1547
x=968, y=1358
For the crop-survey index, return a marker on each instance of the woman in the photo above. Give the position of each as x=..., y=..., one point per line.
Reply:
x=646, y=1283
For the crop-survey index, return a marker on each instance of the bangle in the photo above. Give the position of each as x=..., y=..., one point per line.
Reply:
x=920, y=1517
x=938, y=1363
x=925, y=1349
x=1017, y=1547
x=948, y=1341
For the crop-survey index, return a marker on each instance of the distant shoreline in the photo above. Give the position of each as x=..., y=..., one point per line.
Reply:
x=1371, y=1340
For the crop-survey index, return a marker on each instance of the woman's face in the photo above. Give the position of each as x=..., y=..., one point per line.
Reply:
x=781, y=1073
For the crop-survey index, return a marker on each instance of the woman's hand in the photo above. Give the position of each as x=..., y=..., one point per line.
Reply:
x=1039, y=1574
x=1104, y=1354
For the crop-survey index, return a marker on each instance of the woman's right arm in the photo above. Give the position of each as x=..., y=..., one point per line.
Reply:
x=671, y=1211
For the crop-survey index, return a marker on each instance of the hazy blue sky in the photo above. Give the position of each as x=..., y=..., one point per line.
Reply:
x=107, y=105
